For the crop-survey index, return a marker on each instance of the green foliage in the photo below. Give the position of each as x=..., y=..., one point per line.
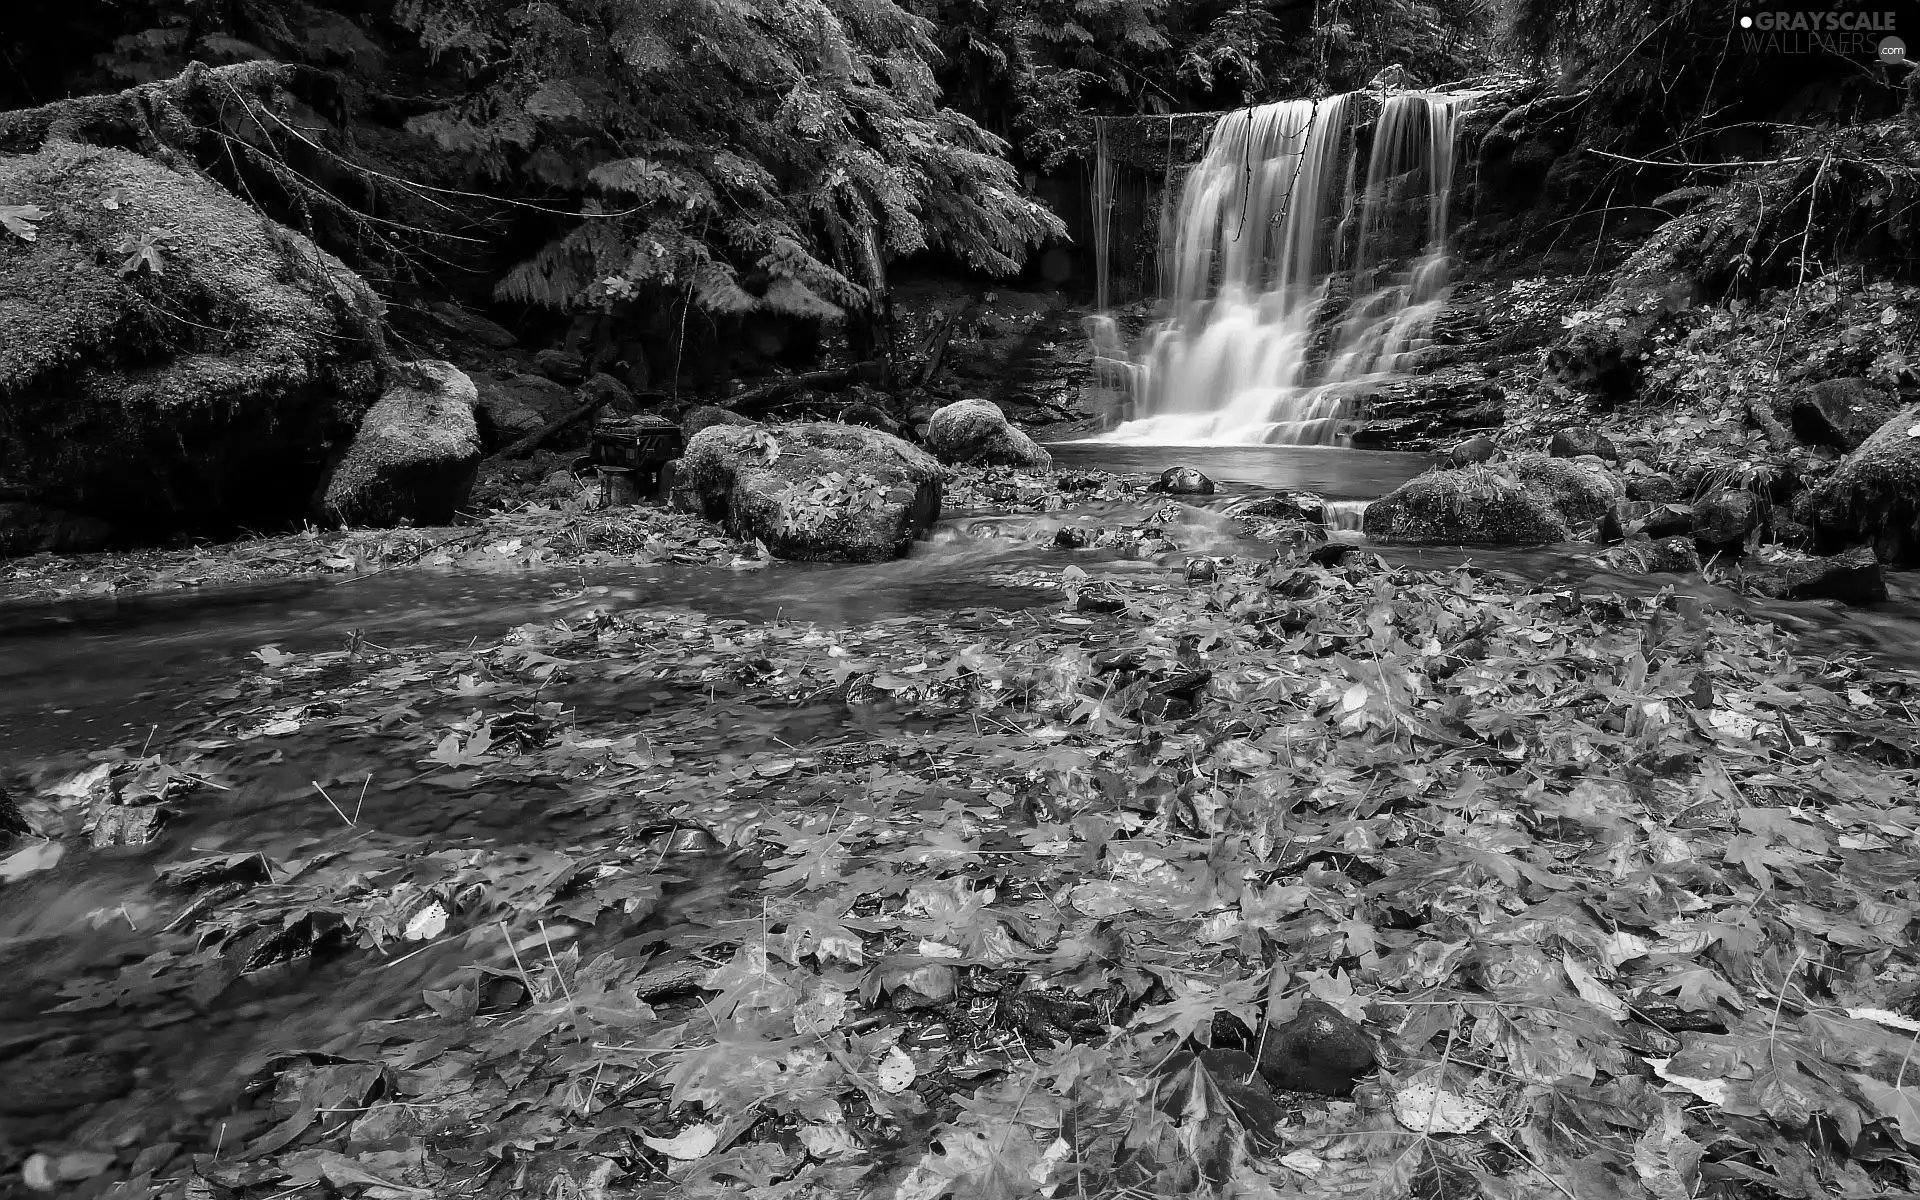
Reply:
x=1027, y=68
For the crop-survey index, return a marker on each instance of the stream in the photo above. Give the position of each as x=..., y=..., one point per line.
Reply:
x=83, y=677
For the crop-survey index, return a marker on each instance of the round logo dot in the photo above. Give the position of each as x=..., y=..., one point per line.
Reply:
x=1746, y=22
x=1892, y=49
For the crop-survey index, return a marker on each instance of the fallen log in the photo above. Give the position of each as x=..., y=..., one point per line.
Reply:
x=936, y=348
x=771, y=393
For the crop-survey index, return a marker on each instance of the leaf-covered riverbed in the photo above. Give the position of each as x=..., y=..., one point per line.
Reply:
x=993, y=903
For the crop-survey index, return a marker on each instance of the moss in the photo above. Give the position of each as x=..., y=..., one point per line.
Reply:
x=416, y=455
x=977, y=433
x=1467, y=506
x=195, y=393
x=726, y=476
x=1579, y=493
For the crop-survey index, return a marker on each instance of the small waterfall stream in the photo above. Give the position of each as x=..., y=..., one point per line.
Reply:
x=1292, y=293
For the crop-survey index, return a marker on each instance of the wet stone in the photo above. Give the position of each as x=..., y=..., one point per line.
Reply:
x=1320, y=1050
x=39, y=1086
x=1182, y=481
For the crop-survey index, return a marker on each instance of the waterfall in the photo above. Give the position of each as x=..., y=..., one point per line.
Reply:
x=1261, y=343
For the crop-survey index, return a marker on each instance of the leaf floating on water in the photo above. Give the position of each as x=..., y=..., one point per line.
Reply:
x=427, y=924
x=695, y=1141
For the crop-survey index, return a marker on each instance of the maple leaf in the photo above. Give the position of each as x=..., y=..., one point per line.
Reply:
x=1195, y=1004
x=20, y=220
x=1698, y=989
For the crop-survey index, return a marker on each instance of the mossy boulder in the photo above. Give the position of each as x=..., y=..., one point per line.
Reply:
x=169, y=358
x=1874, y=497
x=1581, y=492
x=977, y=433
x=1465, y=506
x=820, y=491
x=1840, y=413
x=415, y=456
x=511, y=406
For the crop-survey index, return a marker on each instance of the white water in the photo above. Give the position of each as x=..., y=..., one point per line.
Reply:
x=1254, y=350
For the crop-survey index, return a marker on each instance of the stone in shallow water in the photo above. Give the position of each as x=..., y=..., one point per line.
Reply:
x=1183, y=481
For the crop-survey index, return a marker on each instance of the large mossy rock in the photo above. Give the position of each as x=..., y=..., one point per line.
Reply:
x=415, y=456
x=1580, y=492
x=977, y=433
x=169, y=358
x=1465, y=506
x=820, y=491
x=1874, y=497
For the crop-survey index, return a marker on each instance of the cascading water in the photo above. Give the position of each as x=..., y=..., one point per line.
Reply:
x=1262, y=345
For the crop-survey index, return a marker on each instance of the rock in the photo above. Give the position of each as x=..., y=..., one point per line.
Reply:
x=1674, y=555
x=1333, y=554
x=1840, y=413
x=1577, y=442
x=204, y=394
x=770, y=483
x=41, y=1084
x=1631, y=517
x=704, y=416
x=1319, y=1050
x=1202, y=570
x=1468, y=506
x=1182, y=481
x=1606, y=349
x=869, y=415
x=1724, y=519
x=1301, y=506
x=1580, y=492
x=27, y=528
x=977, y=433
x=1851, y=577
x=415, y=456
x=1100, y=597
x=561, y=366
x=1873, y=498
x=509, y=407
x=1472, y=452
x=1785, y=531
x=1655, y=489
x=471, y=326
x=1072, y=537
x=610, y=392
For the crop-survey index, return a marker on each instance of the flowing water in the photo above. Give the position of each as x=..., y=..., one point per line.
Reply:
x=1295, y=284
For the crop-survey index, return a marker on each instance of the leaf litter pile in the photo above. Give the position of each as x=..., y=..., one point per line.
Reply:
x=1306, y=881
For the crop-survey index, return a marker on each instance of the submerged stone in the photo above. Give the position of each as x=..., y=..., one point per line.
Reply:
x=1852, y=577
x=1182, y=481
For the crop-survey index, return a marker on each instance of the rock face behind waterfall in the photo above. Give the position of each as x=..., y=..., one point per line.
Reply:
x=820, y=491
x=1874, y=497
x=415, y=456
x=977, y=433
x=168, y=357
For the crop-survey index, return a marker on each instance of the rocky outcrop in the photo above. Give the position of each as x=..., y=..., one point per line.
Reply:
x=820, y=491
x=1605, y=348
x=415, y=456
x=1722, y=520
x=168, y=357
x=1465, y=506
x=1874, y=497
x=977, y=433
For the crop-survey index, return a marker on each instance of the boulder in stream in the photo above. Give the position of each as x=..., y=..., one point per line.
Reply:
x=415, y=456
x=1465, y=506
x=511, y=406
x=1473, y=451
x=820, y=491
x=1182, y=481
x=1581, y=492
x=1851, y=577
x=977, y=433
x=1874, y=497
x=171, y=359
